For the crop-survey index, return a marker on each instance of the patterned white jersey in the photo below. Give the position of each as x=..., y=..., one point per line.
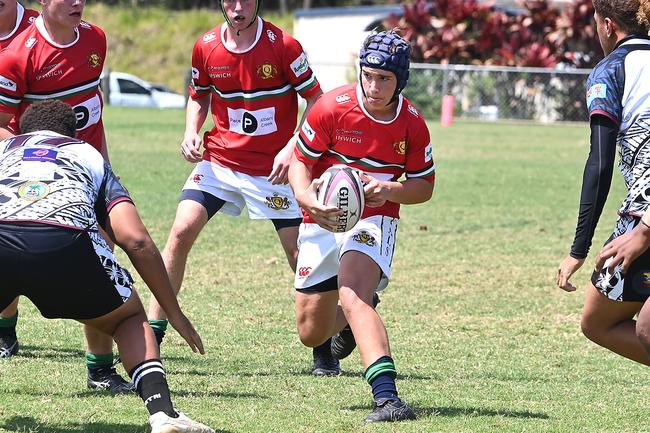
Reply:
x=618, y=88
x=53, y=179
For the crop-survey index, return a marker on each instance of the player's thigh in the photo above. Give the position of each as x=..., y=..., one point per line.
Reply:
x=191, y=217
x=110, y=321
x=288, y=236
x=316, y=314
x=359, y=276
x=600, y=313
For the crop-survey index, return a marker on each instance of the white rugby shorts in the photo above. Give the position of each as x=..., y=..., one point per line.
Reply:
x=320, y=250
x=263, y=199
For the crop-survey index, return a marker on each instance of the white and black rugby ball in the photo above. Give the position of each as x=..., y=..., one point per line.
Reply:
x=342, y=187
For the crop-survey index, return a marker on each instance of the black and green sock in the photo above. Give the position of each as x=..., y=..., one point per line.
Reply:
x=159, y=328
x=381, y=377
x=8, y=326
x=96, y=362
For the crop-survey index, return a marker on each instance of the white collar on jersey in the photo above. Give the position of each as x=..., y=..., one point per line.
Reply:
x=20, y=11
x=400, y=98
x=635, y=41
x=43, y=31
x=224, y=26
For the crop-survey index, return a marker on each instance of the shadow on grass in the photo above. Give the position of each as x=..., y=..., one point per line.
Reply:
x=29, y=424
x=357, y=374
x=452, y=411
x=49, y=352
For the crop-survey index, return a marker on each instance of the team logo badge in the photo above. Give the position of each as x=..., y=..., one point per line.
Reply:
x=197, y=178
x=271, y=35
x=209, y=37
x=363, y=237
x=266, y=71
x=342, y=99
x=277, y=202
x=30, y=42
x=33, y=191
x=400, y=146
x=94, y=60
x=413, y=111
x=304, y=271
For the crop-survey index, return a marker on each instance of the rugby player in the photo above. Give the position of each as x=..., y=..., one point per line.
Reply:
x=618, y=99
x=247, y=73
x=369, y=126
x=57, y=192
x=59, y=56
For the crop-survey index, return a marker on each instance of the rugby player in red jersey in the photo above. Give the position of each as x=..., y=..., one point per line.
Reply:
x=59, y=57
x=371, y=127
x=248, y=73
x=14, y=18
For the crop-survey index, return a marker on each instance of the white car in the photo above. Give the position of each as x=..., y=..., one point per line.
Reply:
x=130, y=91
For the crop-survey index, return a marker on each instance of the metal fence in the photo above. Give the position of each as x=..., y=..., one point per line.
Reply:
x=493, y=92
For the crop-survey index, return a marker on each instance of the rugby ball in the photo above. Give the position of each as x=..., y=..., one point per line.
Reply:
x=342, y=187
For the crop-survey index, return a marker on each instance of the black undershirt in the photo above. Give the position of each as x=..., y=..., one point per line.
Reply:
x=596, y=181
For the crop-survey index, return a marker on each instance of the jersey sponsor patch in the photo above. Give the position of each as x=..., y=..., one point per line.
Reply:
x=195, y=74
x=208, y=37
x=596, y=91
x=308, y=130
x=342, y=99
x=40, y=155
x=256, y=122
x=271, y=35
x=300, y=65
x=8, y=84
x=428, y=153
x=88, y=112
x=411, y=109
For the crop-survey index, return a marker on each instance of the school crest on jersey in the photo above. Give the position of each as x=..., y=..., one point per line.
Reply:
x=363, y=237
x=278, y=202
x=33, y=191
x=266, y=71
x=400, y=146
x=94, y=60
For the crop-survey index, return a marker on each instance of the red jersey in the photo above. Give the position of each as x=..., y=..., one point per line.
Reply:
x=24, y=18
x=339, y=130
x=254, y=102
x=34, y=68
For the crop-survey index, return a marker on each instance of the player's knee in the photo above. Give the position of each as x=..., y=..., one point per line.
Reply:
x=311, y=337
x=591, y=327
x=643, y=332
x=350, y=300
x=181, y=237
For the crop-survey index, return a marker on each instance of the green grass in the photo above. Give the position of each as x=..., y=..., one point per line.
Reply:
x=482, y=339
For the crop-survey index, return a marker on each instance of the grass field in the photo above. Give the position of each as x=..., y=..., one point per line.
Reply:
x=482, y=339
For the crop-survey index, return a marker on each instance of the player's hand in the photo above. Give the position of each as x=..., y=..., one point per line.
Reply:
x=191, y=147
x=324, y=216
x=624, y=249
x=186, y=330
x=567, y=268
x=375, y=191
x=280, y=172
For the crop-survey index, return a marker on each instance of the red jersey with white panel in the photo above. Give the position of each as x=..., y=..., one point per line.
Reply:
x=254, y=96
x=339, y=130
x=24, y=18
x=34, y=68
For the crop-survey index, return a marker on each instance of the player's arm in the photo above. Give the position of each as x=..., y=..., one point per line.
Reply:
x=195, y=114
x=410, y=191
x=4, y=121
x=104, y=150
x=596, y=181
x=124, y=226
x=280, y=172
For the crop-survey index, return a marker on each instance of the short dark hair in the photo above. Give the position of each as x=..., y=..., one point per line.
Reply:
x=631, y=15
x=50, y=115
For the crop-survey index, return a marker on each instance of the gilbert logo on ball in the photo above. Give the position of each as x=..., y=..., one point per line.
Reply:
x=342, y=188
